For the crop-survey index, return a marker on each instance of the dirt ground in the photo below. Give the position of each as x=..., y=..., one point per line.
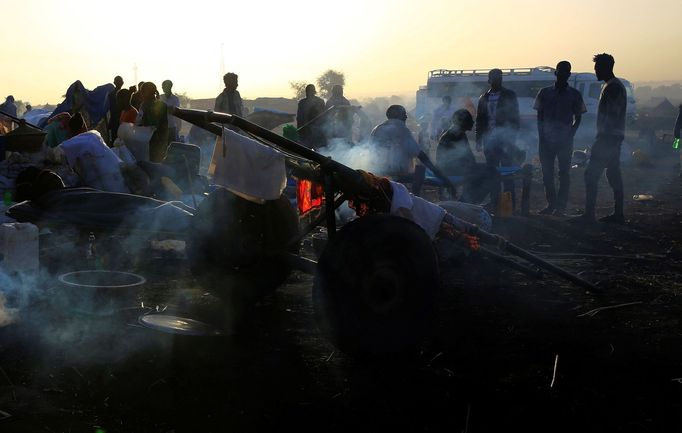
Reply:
x=522, y=355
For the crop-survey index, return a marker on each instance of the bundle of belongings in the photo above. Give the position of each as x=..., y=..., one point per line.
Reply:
x=95, y=163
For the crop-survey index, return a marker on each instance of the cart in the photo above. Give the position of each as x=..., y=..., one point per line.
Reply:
x=377, y=279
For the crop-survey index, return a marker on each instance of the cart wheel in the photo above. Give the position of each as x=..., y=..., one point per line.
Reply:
x=237, y=244
x=375, y=286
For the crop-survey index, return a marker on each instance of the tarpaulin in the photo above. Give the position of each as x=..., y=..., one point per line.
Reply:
x=94, y=101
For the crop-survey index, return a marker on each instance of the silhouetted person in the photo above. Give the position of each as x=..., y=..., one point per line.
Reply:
x=441, y=117
x=337, y=98
x=497, y=123
x=136, y=98
x=230, y=101
x=154, y=113
x=340, y=123
x=128, y=112
x=455, y=158
x=309, y=108
x=393, y=146
x=9, y=107
x=560, y=108
x=114, y=109
x=605, y=153
x=77, y=125
x=454, y=155
x=676, y=130
x=171, y=100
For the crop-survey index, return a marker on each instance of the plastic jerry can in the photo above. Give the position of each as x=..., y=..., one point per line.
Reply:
x=505, y=207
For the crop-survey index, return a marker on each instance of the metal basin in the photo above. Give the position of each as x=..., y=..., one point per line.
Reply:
x=100, y=292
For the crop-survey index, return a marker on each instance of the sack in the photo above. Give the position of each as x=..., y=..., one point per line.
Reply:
x=124, y=154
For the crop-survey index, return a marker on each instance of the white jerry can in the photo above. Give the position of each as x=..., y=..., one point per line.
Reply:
x=19, y=249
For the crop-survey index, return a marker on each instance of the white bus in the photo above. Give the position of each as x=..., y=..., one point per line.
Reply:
x=465, y=87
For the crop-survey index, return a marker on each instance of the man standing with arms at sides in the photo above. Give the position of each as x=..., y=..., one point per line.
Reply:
x=309, y=108
x=171, y=100
x=114, y=109
x=605, y=153
x=676, y=134
x=230, y=101
x=497, y=123
x=560, y=108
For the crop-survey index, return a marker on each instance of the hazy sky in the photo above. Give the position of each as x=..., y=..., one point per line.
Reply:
x=383, y=47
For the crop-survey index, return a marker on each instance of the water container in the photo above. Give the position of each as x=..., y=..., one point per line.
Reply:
x=19, y=248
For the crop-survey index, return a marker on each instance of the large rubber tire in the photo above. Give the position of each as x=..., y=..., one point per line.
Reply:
x=376, y=285
x=237, y=244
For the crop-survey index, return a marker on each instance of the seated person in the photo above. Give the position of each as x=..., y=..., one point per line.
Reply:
x=454, y=155
x=394, y=149
x=455, y=158
x=57, y=129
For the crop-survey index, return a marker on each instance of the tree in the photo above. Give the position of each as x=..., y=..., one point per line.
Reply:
x=298, y=87
x=329, y=79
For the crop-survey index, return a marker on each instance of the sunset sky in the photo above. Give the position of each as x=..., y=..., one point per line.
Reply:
x=383, y=47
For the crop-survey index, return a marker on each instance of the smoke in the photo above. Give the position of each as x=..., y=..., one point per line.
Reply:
x=7, y=315
x=359, y=156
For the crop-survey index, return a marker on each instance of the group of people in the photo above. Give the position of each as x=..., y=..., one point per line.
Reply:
x=496, y=125
x=559, y=110
x=313, y=128
x=143, y=105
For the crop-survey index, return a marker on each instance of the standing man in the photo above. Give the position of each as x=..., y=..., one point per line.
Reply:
x=230, y=101
x=497, y=123
x=154, y=113
x=340, y=125
x=171, y=100
x=605, y=152
x=309, y=108
x=114, y=109
x=560, y=108
x=676, y=132
x=442, y=116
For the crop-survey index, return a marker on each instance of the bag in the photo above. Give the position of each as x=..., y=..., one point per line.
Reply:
x=122, y=151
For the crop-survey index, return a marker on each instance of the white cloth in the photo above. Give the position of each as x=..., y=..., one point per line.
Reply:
x=471, y=213
x=249, y=168
x=136, y=139
x=96, y=164
x=123, y=153
x=425, y=214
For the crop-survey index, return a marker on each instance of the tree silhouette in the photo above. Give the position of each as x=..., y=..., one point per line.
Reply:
x=329, y=79
x=298, y=87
